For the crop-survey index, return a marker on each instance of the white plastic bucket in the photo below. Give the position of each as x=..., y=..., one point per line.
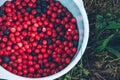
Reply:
x=76, y=7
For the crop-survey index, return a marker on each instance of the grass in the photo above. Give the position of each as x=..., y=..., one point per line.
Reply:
x=101, y=60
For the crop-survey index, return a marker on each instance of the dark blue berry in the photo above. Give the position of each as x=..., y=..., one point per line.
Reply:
x=6, y=32
x=42, y=66
x=26, y=30
x=44, y=4
x=59, y=37
x=49, y=17
x=12, y=45
x=38, y=2
x=63, y=29
x=39, y=11
x=40, y=41
x=38, y=14
x=6, y=59
x=49, y=41
x=33, y=53
x=57, y=64
x=28, y=9
x=61, y=15
x=1, y=12
x=26, y=38
x=50, y=58
x=36, y=71
x=55, y=25
x=44, y=9
x=39, y=29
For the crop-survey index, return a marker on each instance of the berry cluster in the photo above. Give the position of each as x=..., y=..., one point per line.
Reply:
x=37, y=37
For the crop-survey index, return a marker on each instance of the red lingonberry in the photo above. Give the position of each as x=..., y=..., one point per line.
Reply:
x=30, y=63
x=73, y=20
x=74, y=49
x=37, y=66
x=45, y=55
x=15, y=71
x=31, y=70
x=19, y=60
x=25, y=71
x=67, y=60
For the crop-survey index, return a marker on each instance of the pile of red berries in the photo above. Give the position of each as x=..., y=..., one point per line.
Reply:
x=37, y=37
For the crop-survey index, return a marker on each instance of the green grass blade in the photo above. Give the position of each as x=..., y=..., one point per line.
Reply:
x=100, y=18
x=105, y=43
x=113, y=25
x=114, y=51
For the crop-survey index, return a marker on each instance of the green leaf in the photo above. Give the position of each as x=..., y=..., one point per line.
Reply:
x=68, y=76
x=100, y=25
x=114, y=51
x=65, y=79
x=86, y=72
x=105, y=43
x=100, y=48
x=100, y=18
x=113, y=25
x=108, y=15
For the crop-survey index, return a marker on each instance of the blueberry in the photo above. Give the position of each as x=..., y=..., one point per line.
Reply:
x=12, y=45
x=48, y=17
x=33, y=53
x=6, y=32
x=26, y=30
x=60, y=25
x=57, y=64
x=39, y=30
x=59, y=37
x=26, y=38
x=1, y=12
x=39, y=11
x=36, y=71
x=64, y=29
x=38, y=7
x=50, y=58
x=6, y=59
x=44, y=4
x=38, y=14
x=40, y=41
x=49, y=40
x=61, y=15
x=38, y=2
x=55, y=25
x=42, y=66
x=28, y=9
x=44, y=9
